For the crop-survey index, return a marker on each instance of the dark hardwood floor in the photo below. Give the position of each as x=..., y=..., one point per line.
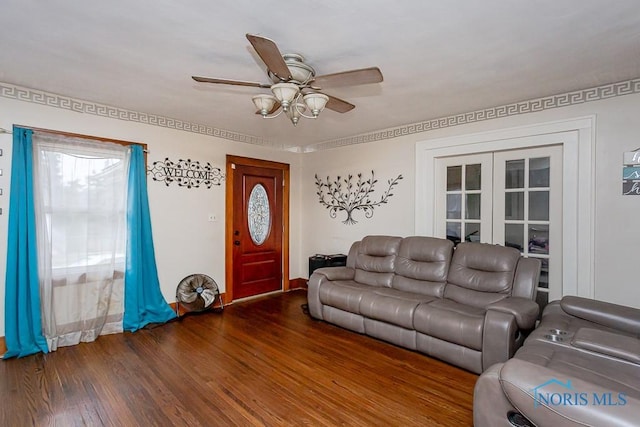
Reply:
x=260, y=362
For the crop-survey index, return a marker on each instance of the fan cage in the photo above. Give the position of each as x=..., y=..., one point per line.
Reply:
x=193, y=292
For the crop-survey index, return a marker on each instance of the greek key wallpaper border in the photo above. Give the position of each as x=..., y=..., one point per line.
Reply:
x=87, y=107
x=626, y=87
x=597, y=93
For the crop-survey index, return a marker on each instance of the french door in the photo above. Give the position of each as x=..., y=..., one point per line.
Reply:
x=512, y=198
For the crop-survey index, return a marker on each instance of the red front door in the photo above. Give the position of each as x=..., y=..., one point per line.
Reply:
x=257, y=230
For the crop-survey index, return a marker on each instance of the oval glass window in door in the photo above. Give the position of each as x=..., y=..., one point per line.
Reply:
x=259, y=214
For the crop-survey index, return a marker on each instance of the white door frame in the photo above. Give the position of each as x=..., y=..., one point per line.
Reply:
x=576, y=137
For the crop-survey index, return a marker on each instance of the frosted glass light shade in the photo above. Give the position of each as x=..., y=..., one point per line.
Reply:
x=316, y=102
x=295, y=112
x=285, y=93
x=264, y=103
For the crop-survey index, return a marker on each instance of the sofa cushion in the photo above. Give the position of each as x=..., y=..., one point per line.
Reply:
x=371, y=278
x=451, y=321
x=472, y=298
x=422, y=265
x=608, y=343
x=343, y=294
x=483, y=267
x=392, y=306
x=375, y=260
x=380, y=246
x=481, y=273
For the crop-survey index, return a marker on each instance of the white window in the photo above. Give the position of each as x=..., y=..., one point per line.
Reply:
x=80, y=190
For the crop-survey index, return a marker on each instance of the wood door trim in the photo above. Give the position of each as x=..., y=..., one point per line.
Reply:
x=229, y=197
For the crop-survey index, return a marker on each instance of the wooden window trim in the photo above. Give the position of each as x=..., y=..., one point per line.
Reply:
x=79, y=135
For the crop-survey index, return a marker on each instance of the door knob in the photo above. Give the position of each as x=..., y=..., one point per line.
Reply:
x=236, y=242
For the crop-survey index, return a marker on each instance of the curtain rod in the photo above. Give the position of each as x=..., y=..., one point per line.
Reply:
x=78, y=135
x=8, y=132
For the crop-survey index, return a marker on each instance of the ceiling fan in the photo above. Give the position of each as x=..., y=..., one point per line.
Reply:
x=295, y=86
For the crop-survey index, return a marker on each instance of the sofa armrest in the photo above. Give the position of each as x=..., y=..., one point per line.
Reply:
x=499, y=338
x=490, y=405
x=320, y=276
x=525, y=282
x=524, y=310
x=623, y=318
x=336, y=273
x=608, y=343
x=528, y=387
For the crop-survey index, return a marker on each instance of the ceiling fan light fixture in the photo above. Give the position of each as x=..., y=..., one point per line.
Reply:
x=295, y=112
x=315, y=102
x=264, y=103
x=300, y=72
x=295, y=86
x=285, y=93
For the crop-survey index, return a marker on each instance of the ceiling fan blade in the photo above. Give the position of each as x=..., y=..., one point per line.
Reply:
x=270, y=55
x=230, y=82
x=336, y=104
x=348, y=78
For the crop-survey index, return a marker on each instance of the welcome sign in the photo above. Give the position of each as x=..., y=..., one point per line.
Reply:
x=186, y=173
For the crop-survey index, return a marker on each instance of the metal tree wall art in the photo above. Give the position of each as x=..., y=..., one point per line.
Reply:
x=186, y=173
x=343, y=194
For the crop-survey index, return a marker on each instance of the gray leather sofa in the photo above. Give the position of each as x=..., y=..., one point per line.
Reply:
x=471, y=306
x=580, y=367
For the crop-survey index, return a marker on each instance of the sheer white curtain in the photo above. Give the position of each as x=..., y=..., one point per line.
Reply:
x=80, y=188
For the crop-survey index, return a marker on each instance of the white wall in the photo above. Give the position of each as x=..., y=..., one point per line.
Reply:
x=185, y=242
x=326, y=235
x=615, y=228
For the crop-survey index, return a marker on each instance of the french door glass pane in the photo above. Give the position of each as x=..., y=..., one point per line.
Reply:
x=472, y=232
x=454, y=206
x=514, y=206
x=472, y=210
x=454, y=178
x=514, y=236
x=539, y=169
x=462, y=212
x=514, y=174
x=539, y=206
x=539, y=239
x=472, y=177
x=544, y=274
x=453, y=231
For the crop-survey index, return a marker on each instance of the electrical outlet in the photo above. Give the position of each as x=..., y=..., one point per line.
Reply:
x=212, y=218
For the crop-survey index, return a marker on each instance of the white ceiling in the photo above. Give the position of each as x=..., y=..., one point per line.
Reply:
x=438, y=58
